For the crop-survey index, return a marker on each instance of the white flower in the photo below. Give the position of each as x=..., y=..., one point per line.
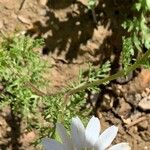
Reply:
x=89, y=138
x=51, y=144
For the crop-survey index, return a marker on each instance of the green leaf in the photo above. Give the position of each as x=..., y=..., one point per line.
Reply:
x=91, y=4
x=137, y=42
x=138, y=6
x=148, y=4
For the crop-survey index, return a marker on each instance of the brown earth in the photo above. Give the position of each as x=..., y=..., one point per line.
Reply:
x=72, y=40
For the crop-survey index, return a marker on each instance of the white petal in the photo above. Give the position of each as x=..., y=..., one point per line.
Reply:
x=120, y=146
x=92, y=131
x=64, y=136
x=50, y=144
x=106, y=138
x=78, y=133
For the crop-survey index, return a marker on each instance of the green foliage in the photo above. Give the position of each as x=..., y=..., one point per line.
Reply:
x=58, y=109
x=54, y=108
x=20, y=64
x=97, y=73
x=139, y=32
x=127, y=52
x=91, y=4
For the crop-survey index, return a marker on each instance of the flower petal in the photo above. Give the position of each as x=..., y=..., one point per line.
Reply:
x=106, y=138
x=64, y=136
x=120, y=146
x=52, y=144
x=78, y=133
x=92, y=131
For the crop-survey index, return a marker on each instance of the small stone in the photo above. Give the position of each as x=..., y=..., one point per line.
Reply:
x=143, y=125
x=94, y=98
x=42, y=2
x=136, y=115
x=144, y=104
x=42, y=12
x=24, y=20
x=147, y=90
x=8, y=129
x=124, y=109
x=144, y=94
x=126, y=121
x=107, y=102
x=146, y=147
x=27, y=137
x=138, y=97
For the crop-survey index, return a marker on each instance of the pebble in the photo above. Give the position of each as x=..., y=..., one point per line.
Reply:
x=94, y=98
x=144, y=94
x=24, y=20
x=135, y=115
x=42, y=2
x=8, y=129
x=147, y=90
x=144, y=104
x=42, y=12
x=107, y=102
x=146, y=147
x=143, y=125
x=138, y=97
x=124, y=109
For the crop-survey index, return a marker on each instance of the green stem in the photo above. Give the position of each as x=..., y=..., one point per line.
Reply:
x=112, y=77
x=94, y=16
x=83, y=86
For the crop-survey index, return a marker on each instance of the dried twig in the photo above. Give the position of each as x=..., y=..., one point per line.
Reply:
x=136, y=121
x=22, y=4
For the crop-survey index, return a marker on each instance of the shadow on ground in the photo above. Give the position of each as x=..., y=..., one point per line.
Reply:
x=14, y=133
x=78, y=27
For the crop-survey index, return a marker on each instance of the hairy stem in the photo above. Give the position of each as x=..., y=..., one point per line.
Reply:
x=112, y=77
x=94, y=83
